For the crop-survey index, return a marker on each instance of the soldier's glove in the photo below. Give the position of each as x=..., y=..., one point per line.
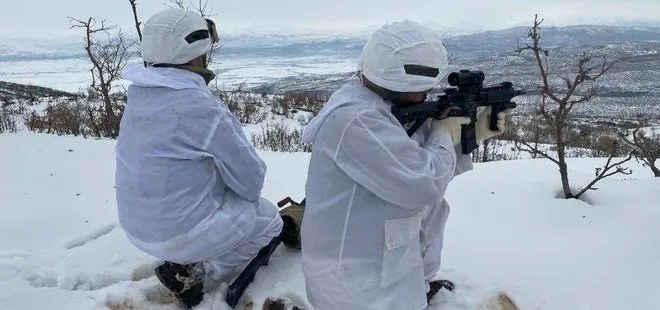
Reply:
x=450, y=126
x=482, y=126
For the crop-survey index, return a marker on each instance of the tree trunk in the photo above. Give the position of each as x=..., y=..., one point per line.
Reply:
x=95, y=127
x=563, y=171
x=484, y=155
x=109, y=116
x=656, y=171
x=537, y=138
x=561, y=156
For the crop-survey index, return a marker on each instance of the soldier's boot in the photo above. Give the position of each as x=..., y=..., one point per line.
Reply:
x=185, y=281
x=436, y=286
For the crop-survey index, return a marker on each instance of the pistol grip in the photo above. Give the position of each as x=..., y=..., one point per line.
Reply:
x=496, y=109
x=468, y=138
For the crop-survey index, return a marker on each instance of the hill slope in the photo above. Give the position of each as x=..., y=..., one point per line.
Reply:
x=60, y=247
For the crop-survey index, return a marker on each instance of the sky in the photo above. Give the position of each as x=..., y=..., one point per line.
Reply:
x=45, y=18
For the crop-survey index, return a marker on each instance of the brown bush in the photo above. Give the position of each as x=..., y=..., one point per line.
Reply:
x=494, y=150
x=645, y=144
x=298, y=101
x=276, y=136
x=8, y=119
x=78, y=117
x=282, y=106
x=246, y=107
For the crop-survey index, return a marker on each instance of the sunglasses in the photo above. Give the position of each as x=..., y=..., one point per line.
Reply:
x=215, y=38
x=202, y=34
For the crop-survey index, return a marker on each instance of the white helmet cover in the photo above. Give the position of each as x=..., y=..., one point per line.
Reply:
x=404, y=57
x=176, y=36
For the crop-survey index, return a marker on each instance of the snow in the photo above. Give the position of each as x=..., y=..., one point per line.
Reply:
x=60, y=246
x=72, y=74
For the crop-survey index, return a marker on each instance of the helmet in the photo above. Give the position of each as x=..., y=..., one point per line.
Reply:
x=404, y=57
x=177, y=36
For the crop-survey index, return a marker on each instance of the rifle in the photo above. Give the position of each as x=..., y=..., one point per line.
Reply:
x=237, y=287
x=468, y=95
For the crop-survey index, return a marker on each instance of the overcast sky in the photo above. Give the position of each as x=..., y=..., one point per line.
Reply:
x=43, y=18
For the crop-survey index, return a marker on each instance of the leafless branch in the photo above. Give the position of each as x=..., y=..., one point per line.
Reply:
x=200, y=6
x=541, y=61
x=135, y=17
x=584, y=98
x=646, y=147
x=605, y=172
x=177, y=4
x=533, y=150
x=582, y=134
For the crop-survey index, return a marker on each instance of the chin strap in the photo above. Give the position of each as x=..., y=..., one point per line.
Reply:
x=207, y=74
x=386, y=94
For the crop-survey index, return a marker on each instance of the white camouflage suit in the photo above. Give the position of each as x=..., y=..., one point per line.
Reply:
x=375, y=213
x=188, y=181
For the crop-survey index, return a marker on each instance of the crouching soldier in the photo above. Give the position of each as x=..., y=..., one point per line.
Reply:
x=188, y=181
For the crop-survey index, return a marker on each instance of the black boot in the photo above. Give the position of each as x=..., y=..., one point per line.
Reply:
x=436, y=286
x=185, y=281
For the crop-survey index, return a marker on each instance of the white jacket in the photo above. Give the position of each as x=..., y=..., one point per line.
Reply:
x=185, y=170
x=369, y=188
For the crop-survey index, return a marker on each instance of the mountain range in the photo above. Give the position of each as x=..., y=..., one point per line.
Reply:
x=480, y=44
x=632, y=86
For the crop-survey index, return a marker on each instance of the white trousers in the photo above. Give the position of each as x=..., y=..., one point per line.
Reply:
x=433, y=229
x=268, y=225
x=219, y=261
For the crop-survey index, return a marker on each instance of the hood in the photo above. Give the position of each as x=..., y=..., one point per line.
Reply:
x=162, y=77
x=350, y=93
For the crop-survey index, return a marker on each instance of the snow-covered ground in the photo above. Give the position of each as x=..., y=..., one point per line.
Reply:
x=60, y=247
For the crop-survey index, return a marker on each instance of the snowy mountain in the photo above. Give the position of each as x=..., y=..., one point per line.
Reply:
x=289, y=43
x=25, y=49
x=266, y=62
x=491, y=43
x=10, y=92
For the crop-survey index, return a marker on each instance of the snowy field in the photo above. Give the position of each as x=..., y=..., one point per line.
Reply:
x=60, y=247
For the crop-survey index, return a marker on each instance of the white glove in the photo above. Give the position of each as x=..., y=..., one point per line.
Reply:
x=450, y=126
x=482, y=126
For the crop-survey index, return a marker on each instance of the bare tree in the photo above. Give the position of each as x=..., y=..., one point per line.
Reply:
x=556, y=106
x=646, y=145
x=108, y=51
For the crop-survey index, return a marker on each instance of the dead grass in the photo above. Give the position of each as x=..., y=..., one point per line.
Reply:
x=126, y=304
x=502, y=301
